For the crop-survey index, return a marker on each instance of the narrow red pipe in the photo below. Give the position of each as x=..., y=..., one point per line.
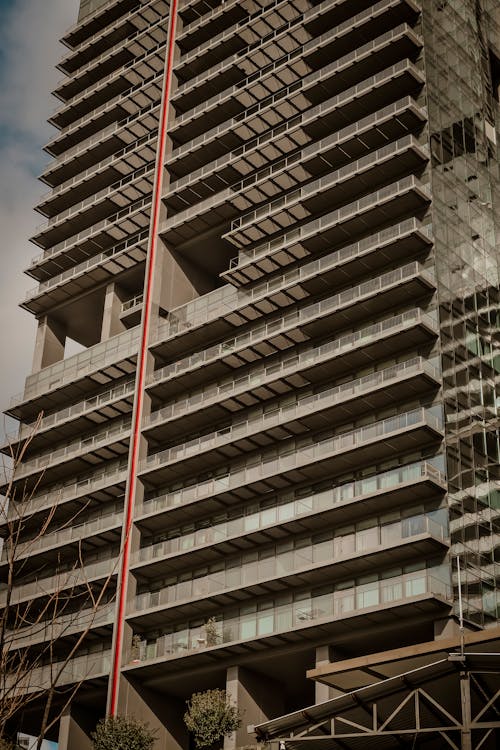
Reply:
x=141, y=367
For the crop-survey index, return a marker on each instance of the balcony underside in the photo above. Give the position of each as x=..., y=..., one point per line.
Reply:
x=122, y=163
x=330, y=191
x=174, y=674
x=303, y=471
x=338, y=148
x=51, y=557
x=123, y=229
x=56, y=398
x=82, y=31
x=129, y=105
x=318, y=370
x=242, y=91
x=76, y=281
x=274, y=130
x=426, y=489
x=102, y=147
x=53, y=430
x=77, y=462
x=231, y=358
x=417, y=548
x=70, y=499
x=400, y=390
x=179, y=338
x=405, y=198
x=123, y=79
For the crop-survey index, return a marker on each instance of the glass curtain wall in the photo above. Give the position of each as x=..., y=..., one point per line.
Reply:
x=461, y=69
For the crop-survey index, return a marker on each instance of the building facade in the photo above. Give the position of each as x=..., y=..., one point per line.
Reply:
x=272, y=233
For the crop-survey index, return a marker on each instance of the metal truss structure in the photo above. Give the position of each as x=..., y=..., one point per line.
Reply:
x=454, y=702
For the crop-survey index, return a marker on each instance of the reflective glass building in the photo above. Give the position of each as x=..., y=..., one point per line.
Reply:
x=271, y=227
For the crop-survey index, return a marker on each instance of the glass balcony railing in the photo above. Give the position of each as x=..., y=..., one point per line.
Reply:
x=78, y=669
x=264, y=465
x=229, y=33
x=330, y=220
x=328, y=183
x=227, y=299
x=125, y=97
x=78, y=149
x=347, y=133
x=127, y=245
x=331, y=179
x=313, y=45
x=280, y=32
x=289, y=364
x=313, y=113
x=281, y=513
x=123, y=346
x=345, y=545
x=144, y=173
x=87, y=406
x=94, y=8
x=63, y=626
x=204, y=18
x=62, y=581
x=116, y=432
x=304, y=406
x=140, y=205
x=84, y=145
x=347, y=600
x=98, y=59
x=111, y=160
x=105, y=81
x=113, y=473
x=291, y=320
x=78, y=532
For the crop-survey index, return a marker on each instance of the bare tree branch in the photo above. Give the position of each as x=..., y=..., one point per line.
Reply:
x=41, y=634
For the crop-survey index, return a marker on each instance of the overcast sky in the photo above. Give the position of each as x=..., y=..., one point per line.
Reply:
x=29, y=50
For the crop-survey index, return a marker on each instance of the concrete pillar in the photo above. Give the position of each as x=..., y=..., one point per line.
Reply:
x=111, y=323
x=74, y=730
x=49, y=344
x=161, y=713
x=258, y=699
x=322, y=692
x=181, y=280
x=447, y=627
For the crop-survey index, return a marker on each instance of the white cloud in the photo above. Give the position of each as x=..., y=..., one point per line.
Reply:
x=30, y=33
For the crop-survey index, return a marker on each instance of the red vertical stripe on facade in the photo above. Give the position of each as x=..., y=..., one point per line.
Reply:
x=141, y=368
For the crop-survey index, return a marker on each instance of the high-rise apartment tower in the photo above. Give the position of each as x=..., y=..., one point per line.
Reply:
x=271, y=226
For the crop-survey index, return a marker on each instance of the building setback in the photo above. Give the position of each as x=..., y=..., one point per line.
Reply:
x=271, y=226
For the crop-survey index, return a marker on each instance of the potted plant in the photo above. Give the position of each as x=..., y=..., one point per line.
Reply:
x=135, y=651
x=210, y=717
x=211, y=632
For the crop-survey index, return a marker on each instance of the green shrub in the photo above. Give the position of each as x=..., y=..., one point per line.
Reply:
x=121, y=733
x=211, y=717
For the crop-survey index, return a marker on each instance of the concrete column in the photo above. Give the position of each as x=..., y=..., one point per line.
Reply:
x=258, y=698
x=49, y=344
x=111, y=323
x=324, y=655
x=161, y=713
x=181, y=280
x=447, y=627
x=74, y=730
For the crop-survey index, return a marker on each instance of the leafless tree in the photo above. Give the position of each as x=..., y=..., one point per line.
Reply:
x=33, y=662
